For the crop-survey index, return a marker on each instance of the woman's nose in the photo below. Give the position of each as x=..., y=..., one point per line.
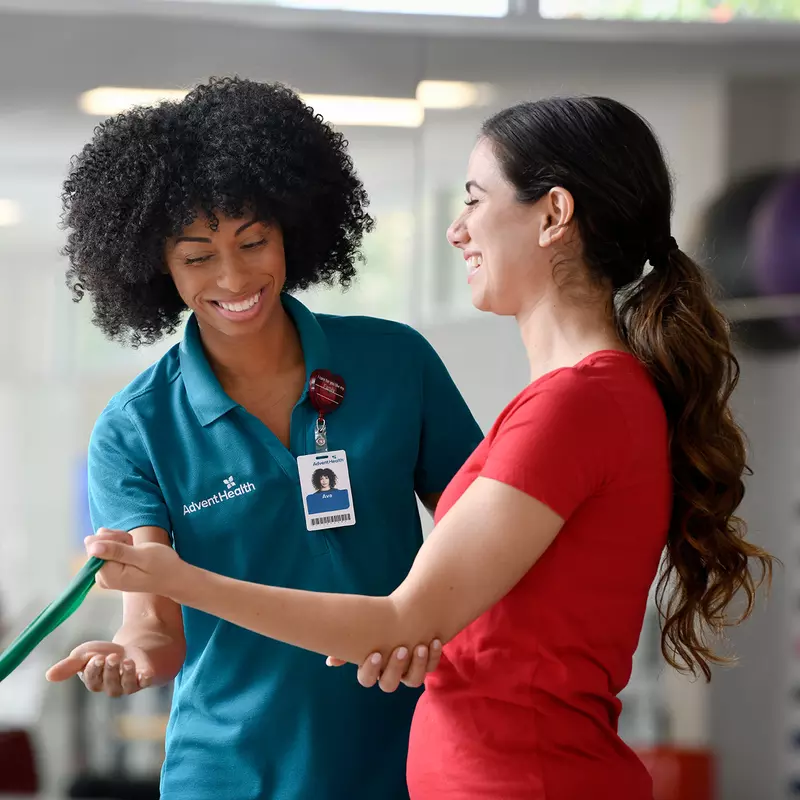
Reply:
x=233, y=275
x=457, y=233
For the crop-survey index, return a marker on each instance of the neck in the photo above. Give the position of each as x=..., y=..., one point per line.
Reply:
x=558, y=333
x=264, y=356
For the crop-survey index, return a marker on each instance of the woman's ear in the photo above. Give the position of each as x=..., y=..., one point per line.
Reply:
x=557, y=213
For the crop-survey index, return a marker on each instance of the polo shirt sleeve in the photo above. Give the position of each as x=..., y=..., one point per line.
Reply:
x=123, y=491
x=560, y=443
x=449, y=432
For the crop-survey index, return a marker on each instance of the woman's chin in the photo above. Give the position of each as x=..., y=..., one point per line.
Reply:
x=480, y=299
x=503, y=305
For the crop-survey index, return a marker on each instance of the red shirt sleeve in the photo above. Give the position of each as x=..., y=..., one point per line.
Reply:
x=560, y=442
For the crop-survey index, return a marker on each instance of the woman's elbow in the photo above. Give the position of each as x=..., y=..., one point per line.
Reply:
x=414, y=623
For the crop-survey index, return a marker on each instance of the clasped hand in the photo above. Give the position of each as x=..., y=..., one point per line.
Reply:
x=156, y=569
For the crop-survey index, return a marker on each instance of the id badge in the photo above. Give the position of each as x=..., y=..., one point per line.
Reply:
x=325, y=488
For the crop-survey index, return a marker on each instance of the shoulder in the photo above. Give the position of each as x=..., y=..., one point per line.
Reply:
x=595, y=404
x=148, y=389
x=150, y=384
x=561, y=394
x=363, y=328
x=372, y=333
x=603, y=386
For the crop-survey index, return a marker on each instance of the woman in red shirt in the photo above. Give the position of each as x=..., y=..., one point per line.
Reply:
x=623, y=445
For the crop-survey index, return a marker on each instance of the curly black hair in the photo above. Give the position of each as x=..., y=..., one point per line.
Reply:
x=231, y=146
x=319, y=474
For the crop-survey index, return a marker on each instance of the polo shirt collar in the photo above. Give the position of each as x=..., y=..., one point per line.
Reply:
x=205, y=393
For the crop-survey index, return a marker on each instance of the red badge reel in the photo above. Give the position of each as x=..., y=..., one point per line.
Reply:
x=326, y=393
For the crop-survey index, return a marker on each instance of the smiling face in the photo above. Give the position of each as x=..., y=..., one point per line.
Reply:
x=230, y=277
x=324, y=483
x=503, y=240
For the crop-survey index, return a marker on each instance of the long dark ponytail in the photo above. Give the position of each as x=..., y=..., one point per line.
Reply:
x=608, y=158
x=671, y=324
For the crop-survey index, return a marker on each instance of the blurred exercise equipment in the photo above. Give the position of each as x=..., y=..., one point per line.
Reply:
x=775, y=242
x=748, y=238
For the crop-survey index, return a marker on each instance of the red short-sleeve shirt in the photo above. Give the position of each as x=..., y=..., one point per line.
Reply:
x=524, y=703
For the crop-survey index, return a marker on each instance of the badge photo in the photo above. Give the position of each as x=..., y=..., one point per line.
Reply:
x=325, y=488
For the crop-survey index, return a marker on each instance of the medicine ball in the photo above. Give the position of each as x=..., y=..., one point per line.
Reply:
x=730, y=237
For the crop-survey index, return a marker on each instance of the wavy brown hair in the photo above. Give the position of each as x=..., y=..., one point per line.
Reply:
x=610, y=160
x=670, y=322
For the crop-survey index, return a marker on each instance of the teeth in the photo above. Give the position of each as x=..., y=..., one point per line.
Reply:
x=475, y=262
x=246, y=305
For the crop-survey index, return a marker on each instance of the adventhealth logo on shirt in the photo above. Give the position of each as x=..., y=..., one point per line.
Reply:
x=230, y=491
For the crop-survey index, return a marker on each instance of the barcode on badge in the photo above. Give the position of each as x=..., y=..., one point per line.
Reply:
x=331, y=520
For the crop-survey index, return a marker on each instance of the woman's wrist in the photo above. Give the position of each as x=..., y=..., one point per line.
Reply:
x=184, y=583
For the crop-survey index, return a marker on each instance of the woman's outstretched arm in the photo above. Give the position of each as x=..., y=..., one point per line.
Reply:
x=481, y=548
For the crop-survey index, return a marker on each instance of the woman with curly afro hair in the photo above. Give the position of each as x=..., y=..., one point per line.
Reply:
x=223, y=204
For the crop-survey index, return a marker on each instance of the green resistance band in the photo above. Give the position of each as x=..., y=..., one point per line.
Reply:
x=58, y=612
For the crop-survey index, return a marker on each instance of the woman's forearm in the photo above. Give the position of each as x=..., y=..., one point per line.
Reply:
x=478, y=552
x=348, y=627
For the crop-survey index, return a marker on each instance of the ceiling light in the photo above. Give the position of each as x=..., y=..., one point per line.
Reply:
x=393, y=112
x=105, y=101
x=10, y=213
x=449, y=8
x=446, y=8
x=452, y=94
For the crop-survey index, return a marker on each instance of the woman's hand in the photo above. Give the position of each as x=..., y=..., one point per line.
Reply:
x=106, y=667
x=399, y=669
x=150, y=568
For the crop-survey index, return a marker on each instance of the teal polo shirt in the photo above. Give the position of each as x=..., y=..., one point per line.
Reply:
x=255, y=719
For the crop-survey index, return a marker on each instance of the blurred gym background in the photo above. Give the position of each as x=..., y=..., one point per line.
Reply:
x=409, y=82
